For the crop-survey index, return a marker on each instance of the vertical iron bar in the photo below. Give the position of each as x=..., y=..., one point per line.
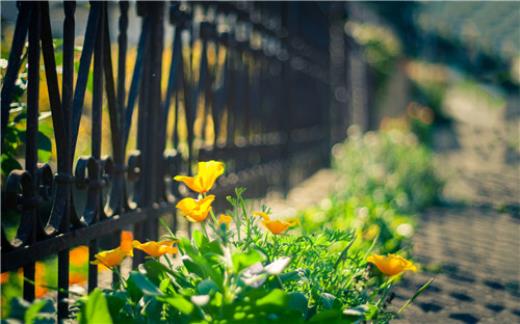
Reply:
x=15, y=60
x=121, y=94
x=83, y=72
x=31, y=148
x=157, y=123
x=285, y=112
x=97, y=102
x=67, y=97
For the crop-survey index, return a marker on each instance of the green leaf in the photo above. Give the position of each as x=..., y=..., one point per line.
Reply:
x=41, y=312
x=187, y=248
x=207, y=287
x=116, y=300
x=327, y=300
x=43, y=143
x=276, y=297
x=338, y=246
x=194, y=268
x=18, y=308
x=290, y=276
x=356, y=311
x=152, y=310
x=164, y=284
x=199, y=239
x=329, y=315
x=217, y=300
x=417, y=293
x=95, y=310
x=155, y=271
x=12, y=140
x=212, y=247
x=298, y=302
x=179, y=303
x=244, y=260
x=144, y=284
x=9, y=164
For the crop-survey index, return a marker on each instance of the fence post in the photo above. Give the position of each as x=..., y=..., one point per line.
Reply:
x=31, y=157
x=337, y=103
x=149, y=119
x=285, y=105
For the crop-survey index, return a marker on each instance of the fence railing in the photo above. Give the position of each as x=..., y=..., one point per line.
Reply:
x=245, y=83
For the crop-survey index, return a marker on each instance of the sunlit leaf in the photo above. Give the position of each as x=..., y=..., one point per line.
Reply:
x=95, y=309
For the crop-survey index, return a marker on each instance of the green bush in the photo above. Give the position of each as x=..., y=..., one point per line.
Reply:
x=384, y=178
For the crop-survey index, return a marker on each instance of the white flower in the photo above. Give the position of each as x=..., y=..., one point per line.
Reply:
x=254, y=281
x=405, y=230
x=200, y=300
x=276, y=267
x=254, y=269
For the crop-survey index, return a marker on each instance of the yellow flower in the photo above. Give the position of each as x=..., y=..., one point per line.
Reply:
x=208, y=172
x=391, y=264
x=261, y=214
x=111, y=258
x=225, y=219
x=372, y=231
x=196, y=210
x=156, y=249
x=275, y=226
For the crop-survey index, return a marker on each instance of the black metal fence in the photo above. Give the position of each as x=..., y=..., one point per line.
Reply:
x=258, y=76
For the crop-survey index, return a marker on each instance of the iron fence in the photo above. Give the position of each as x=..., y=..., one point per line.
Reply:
x=256, y=75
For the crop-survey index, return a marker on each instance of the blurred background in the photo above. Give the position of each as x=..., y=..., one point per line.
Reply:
x=447, y=72
x=431, y=63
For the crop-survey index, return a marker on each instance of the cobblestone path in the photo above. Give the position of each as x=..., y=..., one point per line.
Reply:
x=475, y=251
x=471, y=246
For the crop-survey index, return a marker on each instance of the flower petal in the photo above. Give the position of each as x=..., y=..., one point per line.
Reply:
x=277, y=267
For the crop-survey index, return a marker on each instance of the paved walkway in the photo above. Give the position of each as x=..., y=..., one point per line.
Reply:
x=471, y=246
x=476, y=251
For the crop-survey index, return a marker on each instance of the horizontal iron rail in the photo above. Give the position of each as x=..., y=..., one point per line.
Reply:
x=14, y=259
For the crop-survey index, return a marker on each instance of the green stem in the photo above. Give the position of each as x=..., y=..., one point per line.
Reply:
x=213, y=216
x=204, y=195
x=203, y=226
x=248, y=220
x=122, y=282
x=386, y=286
x=238, y=223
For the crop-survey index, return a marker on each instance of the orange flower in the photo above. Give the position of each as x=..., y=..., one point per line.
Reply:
x=126, y=241
x=275, y=226
x=112, y=258
x=40, y=291
x=207, y=174
x=4, y=277
x=39, y=280
x=79, y=255
x=76, y=278
x=156, y=249
x=225, y=219
x=391, y=264
x=196, y=210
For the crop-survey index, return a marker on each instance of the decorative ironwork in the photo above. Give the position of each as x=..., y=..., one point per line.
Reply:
x=249, y=69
